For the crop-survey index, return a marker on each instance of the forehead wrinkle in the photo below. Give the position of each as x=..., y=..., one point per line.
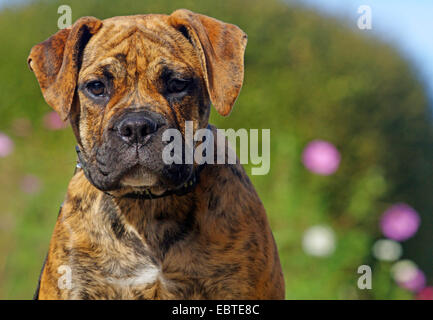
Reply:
x=162, y=40
x=157, y=33
x=113, y=34
x=98, y=45
x=175, y=47
x=111, y=64
x=121, y=37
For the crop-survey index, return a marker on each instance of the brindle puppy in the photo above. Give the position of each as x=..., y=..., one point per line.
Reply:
x=129, y=229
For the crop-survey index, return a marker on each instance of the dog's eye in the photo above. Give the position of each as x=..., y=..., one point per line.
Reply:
x=177, y=85
x=97, y=88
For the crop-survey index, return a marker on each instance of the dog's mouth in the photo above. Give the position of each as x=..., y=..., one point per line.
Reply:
x=139, y=177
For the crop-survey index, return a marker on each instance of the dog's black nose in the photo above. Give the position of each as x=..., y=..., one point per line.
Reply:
x=135, y=127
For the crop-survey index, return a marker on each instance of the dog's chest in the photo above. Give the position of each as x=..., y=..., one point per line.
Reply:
x=144, y=282
x=131, y=275
x=113, y=260
x=145, y=276
x=137, y=278
x=116, y=269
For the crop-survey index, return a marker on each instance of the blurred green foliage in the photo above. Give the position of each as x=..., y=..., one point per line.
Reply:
x=307, y=77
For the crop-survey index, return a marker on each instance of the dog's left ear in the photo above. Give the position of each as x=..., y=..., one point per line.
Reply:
x=220, y=47
x=56, y=63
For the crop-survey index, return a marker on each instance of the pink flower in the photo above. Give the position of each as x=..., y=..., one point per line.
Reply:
x=52, y=121
x=6, y=145
x=414, y=283
x=30, y=184
x=399, y=222
x=321, y=157
x=425, y=294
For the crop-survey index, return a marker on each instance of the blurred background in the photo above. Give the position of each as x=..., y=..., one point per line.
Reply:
x=351, y=176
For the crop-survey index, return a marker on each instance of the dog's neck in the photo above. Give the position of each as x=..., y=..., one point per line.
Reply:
x=160, y=222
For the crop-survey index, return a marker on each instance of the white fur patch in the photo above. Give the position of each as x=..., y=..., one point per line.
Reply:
x=147, y=275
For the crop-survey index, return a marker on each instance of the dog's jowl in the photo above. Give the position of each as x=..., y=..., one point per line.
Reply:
x=132, y=226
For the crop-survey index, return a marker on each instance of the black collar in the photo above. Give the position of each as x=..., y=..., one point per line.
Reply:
x=186, y=188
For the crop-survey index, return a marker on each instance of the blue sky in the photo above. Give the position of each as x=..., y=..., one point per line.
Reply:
x=406, y=23
x=2, y=2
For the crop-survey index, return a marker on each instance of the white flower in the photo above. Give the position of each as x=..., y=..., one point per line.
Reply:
x=319, y=241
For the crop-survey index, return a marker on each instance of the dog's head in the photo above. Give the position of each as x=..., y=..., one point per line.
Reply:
x=122, y=81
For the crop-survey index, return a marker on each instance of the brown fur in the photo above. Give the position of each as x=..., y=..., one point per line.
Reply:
x=212, y=243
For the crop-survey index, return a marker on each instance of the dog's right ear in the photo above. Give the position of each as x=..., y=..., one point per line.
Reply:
x=57, y=61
